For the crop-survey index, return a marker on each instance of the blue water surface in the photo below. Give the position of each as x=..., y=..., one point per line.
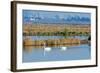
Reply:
x=79, y=52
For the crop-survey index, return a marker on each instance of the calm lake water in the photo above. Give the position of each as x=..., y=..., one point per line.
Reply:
x=75, y=52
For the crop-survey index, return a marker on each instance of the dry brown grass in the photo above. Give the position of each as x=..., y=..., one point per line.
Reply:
x=50, y=42
x=55, y=28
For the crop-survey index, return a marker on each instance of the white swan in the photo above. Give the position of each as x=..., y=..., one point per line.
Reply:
x=63, y=48
x=47, y=49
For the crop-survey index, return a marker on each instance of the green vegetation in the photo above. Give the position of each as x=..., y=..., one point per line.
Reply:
x=64, y=33
x=55, y=30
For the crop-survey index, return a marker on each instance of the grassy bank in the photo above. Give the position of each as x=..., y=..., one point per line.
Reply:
x=50, y=42
x=56, y=30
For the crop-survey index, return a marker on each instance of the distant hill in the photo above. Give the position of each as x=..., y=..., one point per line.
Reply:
x=48, y=17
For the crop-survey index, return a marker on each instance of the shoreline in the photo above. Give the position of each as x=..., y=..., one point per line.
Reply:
x=51, y=42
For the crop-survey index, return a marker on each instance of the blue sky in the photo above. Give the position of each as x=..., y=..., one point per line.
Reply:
x=55, y=17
